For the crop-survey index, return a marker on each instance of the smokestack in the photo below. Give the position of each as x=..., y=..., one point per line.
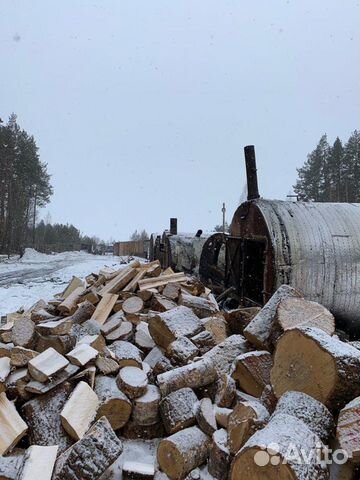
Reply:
x=173, y=226
x=251, y=175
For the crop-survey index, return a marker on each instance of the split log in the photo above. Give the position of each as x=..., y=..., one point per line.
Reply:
x=114, y=405
x=42, y=416
x=95, y=341
x=178, y=410
x=260, y=328
x=310, y=361
x=82, y=354
x=153, y=356
x=74, y=283
x=79, y=411
x=138, y=471
x=146, y=407
x=268, y=398
x=59, y=377
x=223, y=393
x=4, y=372
x=148, y=283
x=16, y=383
x=218, y=328
x=83, y=313
x=45, y=365
x=289, y=434
x=11, y=464
x=132, y=381
x=87, y=375
x=172, y=291
x=182, y=452
x=106, y=363
x=123, y=332
x=38, y=463
x=126, y=354
x=133, y=284
x=297, y=312
x=91, y=456
x=41, y=315
x=143, y=339
x=220, y=458
x=112, y=323
x=193, y=375
x=69, y=305
x=160, y=303
x=145, y=295
x=162, y=365
x=20, y=356
x=61, y=343
x=104, y=308
x=222, y=416
x=251, y=371
x=178, y=322
x=55, y=327
x=244, y=421
x=23, y=333
x=204, y=341
x=121, y=280
x=12, y=426
x=202, y=307
x=347, y=430
x=181, y=351
x=205, y=416
x=90, y=295
x=313, y=413
x=5, y=332
x=240, y=318
x=5, y=349
x=225, y=353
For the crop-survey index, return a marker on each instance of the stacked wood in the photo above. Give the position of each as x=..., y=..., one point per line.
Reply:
x=147, y=354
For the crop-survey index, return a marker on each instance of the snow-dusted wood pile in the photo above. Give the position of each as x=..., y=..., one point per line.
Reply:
x=142, y=353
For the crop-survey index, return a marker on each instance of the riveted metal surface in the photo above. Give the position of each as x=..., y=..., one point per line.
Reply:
x=316, y=249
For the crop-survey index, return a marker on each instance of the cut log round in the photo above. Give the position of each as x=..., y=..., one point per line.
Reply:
x=259, y=330
x=240, y=318
x=202, y=307
x=138, y=471
x=178, y=322
x=182, y=452
x=194, y=375
x=146, y=407
x=178, y=410
x=133, y=305
x=269, y=453
x=244, y=421
x=123, y=332
x=313, y=413
x=310, y=361
x=347, y=431
x=126, y=354
x=295, y=312
x=132, y=381
x=23, y=333
x=205, y=416
x=143, y=338
x=218, y=328
x=114, y=404
x=251, y=371
x=83, y=313
x=219, y=459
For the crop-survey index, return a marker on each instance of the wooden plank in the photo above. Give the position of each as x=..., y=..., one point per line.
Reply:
x=104, y=308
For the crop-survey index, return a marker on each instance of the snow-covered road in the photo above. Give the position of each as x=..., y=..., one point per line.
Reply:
x=34, y=276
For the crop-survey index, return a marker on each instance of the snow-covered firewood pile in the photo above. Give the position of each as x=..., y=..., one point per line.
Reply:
x=142, y=353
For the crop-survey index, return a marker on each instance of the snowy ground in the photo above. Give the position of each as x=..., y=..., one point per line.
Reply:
x=36, y=275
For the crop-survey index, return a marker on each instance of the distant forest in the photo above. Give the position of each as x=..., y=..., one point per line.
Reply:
x=331, y=172
x=25, y=188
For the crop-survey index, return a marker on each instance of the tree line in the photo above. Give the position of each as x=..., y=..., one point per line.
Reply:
x=331, y=173
x=24, y=186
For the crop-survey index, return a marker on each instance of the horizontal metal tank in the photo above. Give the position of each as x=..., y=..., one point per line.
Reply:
x=315, y=247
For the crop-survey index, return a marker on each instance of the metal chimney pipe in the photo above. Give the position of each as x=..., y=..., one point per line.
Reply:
x=251, y=175
x=173, y=226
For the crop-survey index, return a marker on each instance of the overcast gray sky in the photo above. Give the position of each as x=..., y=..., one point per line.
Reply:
x=142, y=108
